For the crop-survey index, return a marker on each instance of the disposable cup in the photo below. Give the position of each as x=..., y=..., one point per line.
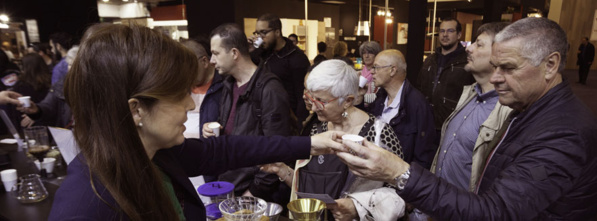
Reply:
x=215, y=127
x=9, y=178
x=25, y=100
x=362, y=81
x=354, y=138
x=48, y=164
x=258, y=42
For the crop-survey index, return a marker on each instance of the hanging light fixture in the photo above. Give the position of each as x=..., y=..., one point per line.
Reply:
x=362, y=28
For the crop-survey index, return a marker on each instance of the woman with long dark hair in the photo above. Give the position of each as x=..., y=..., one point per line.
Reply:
x=129, y=91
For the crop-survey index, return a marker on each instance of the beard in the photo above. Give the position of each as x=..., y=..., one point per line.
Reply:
x=448, y=46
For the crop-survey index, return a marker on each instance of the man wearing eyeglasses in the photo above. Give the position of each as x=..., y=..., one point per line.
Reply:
x=442, y=76
x=283, y=58
x=403, y=107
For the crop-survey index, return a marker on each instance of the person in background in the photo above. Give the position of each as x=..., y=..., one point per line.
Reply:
x=9, y=72
x=340, y=51
x=586, y=55
x=368, y=51
x=44, y=50
x=207, y=91
x=294, y=38
x=543, y=164
x=321, y=48
x=34, y=81
x=442, y=76
x=134, y=160
x=253, y=102
x=331, y=90
x=60, y=42
x=282, y=58
x=403, y=107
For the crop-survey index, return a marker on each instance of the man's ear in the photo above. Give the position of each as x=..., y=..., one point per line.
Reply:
x=137, y=111
x=552, y=64
x=235, y=53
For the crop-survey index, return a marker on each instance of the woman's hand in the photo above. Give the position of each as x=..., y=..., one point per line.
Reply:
x=326, y=143
x=344, y=210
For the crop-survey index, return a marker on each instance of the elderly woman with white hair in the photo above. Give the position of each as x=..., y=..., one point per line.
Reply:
x=331, y=90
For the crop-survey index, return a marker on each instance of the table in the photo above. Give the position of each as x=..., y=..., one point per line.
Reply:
x=10, y=208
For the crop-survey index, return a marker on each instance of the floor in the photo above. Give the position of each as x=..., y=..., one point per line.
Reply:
x=587, y=93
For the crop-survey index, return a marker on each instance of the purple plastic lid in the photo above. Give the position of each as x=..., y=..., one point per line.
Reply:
x=212, y=211
x=215, y=188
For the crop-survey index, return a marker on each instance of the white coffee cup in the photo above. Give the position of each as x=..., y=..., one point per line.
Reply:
x=215, y=126
x=25, y=100
x=48, y=164
x=354, y=138
x=257, y=42
x=362, y=81
x=9, y=178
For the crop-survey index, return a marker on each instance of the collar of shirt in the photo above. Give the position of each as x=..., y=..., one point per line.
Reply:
x=396, y=102
x=484, y=96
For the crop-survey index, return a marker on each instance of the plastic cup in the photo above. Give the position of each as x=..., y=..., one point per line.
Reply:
x=9, y=178
x=258, y=42
x=48, y=164
x=215, y=127
x=362, y=81
x=25, y=100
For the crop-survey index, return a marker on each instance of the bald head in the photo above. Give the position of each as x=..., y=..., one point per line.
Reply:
x=393, y=57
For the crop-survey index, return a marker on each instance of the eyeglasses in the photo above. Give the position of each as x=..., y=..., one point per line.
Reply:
x=376, y=68
x=262, y=32
x=451, y=30
x=319, y=104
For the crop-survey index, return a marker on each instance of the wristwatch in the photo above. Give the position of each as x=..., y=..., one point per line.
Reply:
x=400, y=181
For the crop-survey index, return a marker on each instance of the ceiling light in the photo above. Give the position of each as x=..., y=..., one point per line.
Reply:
x=105, y=0
x=389, y=21
x=125, y=0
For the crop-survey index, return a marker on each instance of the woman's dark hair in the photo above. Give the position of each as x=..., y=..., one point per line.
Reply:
x=35, y=72
x=115, y=64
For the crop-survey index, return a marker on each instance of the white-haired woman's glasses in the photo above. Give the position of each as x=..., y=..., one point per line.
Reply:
x=317, y=103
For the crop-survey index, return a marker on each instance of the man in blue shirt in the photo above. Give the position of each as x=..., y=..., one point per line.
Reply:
x=60, y=42
x=467, y=132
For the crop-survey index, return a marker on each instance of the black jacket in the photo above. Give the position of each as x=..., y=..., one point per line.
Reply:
x=290, y=64
x=449, y=85
x=413, y=124
x=544, y=169
x=262, y=110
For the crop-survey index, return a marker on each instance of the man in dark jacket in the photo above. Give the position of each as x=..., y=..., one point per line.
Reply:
x=544, y=162
x=282, y=58
x=442, y=76
x=253, y=103
x=586, y=54
x=403, y=107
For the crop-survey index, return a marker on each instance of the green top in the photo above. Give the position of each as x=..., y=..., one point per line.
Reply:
x=170, y=191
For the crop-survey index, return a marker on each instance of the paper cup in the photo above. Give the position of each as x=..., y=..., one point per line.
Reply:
x=48, y=164
x=258, y=42
x=362, y=81
x=25, y=100
x=8, y=175
x=354, y=138
x=215, y=127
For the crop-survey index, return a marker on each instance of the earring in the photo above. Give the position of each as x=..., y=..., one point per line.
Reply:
x=140, y=124
x=344, y=114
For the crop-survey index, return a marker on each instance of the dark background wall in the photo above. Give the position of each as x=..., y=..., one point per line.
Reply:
x=71, y=16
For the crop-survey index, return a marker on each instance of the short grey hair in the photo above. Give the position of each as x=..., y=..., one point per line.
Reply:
x=540, y=37
x=369, y=46
x=335, y=76
x=492, y=28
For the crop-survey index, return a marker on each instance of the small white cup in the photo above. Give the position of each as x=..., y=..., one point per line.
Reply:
x=25, y=100
x=48, y=164
x=354, y=138
x=258, y=42
x=362, y=81
x=9, y=178
x=215, y=126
